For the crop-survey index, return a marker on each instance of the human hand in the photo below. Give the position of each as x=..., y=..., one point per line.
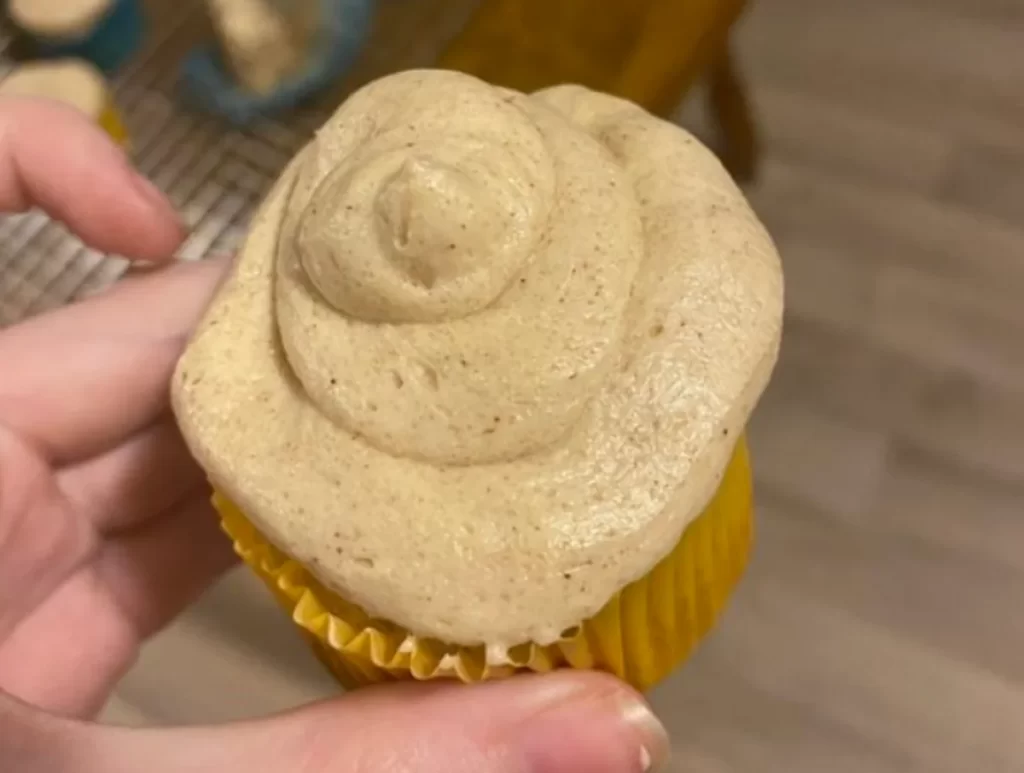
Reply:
x=106, y=532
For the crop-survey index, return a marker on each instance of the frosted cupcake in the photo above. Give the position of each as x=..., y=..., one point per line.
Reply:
x=263, y=45
x=473, y=399
x=105, y=32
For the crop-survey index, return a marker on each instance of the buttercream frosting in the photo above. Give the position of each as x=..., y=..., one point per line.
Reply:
x=485, y=355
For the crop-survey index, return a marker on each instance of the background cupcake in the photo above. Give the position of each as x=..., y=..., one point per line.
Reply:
x=73, y=82
x=104, y=32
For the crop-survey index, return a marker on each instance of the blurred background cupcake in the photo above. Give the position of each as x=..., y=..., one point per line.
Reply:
x=72, y=82
x=105, y=32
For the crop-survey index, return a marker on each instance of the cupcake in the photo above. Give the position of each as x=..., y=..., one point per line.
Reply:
x=473, y=399
x=270, y=57
x=262, y=44
x=73, y=82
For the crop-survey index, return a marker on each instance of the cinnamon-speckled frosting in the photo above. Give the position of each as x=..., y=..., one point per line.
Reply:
x=485, y=355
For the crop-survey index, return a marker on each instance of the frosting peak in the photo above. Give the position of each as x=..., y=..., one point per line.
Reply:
x=449, y=283
x=437, y=221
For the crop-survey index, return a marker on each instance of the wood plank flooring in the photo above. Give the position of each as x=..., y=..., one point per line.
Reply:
x=880, y=628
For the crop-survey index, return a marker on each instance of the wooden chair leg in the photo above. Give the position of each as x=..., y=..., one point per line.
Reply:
x=730, y=108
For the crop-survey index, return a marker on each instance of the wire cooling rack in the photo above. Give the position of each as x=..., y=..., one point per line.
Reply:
x=214, y=175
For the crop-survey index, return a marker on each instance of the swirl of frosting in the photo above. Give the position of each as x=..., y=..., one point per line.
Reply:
x=484, y=355
x=453, y=279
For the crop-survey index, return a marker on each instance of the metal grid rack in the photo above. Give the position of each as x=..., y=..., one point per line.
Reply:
x=213, y=174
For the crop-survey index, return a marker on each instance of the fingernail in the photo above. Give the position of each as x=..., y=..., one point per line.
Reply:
x=583, y=725
x=157, y=200
x=654, y=741
x=149, y=192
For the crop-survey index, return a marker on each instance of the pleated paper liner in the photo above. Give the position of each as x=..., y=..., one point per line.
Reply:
x=641, y=635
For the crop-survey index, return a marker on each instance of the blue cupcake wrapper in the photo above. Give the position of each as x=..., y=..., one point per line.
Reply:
x=206, y=83
x=112, y=42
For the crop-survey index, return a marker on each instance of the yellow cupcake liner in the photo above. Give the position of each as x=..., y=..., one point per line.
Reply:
x=644, y=633
x=110, y=121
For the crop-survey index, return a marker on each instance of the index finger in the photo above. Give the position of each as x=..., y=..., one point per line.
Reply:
x=54, y=158
x=83, y=378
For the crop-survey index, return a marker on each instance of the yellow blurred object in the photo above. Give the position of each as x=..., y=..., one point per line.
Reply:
x=641, y=635
x=110, y=122
x=648, y=51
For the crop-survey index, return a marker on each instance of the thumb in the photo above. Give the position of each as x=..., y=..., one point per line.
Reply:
x=570, y=722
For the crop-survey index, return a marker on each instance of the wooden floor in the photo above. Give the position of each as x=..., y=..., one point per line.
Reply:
x=881, y=627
